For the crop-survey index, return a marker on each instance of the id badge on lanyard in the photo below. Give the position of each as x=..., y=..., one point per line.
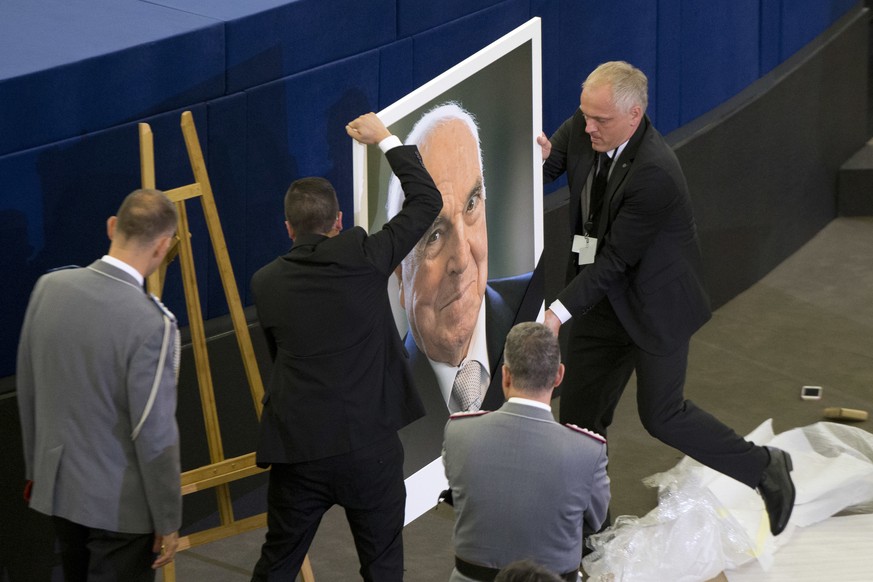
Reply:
x=586, y=246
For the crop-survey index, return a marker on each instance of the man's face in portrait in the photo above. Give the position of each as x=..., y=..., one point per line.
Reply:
x=444, y=277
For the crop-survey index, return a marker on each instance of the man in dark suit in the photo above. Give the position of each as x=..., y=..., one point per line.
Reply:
x=522, y=484
x=96, y=379
x=340, y=386
x=635, y=284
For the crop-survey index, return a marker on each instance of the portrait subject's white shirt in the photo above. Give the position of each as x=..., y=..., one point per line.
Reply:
x=445, y=373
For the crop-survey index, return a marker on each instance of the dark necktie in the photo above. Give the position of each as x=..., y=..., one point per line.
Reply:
x=598, y=192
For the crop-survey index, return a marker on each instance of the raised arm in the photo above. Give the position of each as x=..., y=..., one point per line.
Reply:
x=422, y=202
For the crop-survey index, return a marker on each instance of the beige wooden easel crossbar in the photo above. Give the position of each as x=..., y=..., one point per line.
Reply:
x=220, y=471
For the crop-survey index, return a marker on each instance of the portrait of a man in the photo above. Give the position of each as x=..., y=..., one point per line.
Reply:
x=457, y=317
x=475, y=272
x=443, y=281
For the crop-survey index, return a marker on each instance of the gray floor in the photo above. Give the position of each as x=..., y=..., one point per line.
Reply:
x=810, y=321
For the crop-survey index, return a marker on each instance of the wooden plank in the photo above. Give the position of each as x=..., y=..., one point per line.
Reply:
x=146, y=156
x=223, y=531
x=184, y=192
x=225, y=270
x=219, y=473
x=155, y=281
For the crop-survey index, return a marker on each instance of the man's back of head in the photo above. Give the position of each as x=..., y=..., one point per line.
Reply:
x=519, y=457
x=311, y=206
x=532, y=360
x=144, y=216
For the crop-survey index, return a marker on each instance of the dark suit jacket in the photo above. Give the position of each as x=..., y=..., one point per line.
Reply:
x=648, y=257
x=507, y=301
x=340, y=377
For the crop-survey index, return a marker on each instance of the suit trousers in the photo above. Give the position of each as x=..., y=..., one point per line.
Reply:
x=94, y=555
x=601, y=358
x=367, y=483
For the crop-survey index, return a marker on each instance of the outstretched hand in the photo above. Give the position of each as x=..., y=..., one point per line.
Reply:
x=367, y=129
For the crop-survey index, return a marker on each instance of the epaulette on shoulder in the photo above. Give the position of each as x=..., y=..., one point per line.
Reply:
x=586, y=432
x=162, y=307
x=469, y=414
x=64, y=268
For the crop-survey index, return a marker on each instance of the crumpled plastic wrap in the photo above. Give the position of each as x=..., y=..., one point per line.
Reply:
x=706, y=522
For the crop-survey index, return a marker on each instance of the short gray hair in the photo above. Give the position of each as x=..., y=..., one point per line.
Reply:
x=532, y=355
x=430, y=121
x=629, y=84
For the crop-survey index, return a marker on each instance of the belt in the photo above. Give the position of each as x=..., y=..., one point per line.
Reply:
x=486, y=574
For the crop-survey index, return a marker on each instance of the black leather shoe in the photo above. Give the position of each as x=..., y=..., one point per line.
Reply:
x=777, y=489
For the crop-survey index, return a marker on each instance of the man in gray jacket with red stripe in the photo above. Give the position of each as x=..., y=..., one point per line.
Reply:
x=521, y=483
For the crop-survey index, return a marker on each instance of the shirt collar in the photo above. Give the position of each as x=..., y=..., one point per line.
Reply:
x=124, y=267
x=613, y=154
x=528, y=402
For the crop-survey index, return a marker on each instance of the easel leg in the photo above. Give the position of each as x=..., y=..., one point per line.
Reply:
x=306, y=570
x=169, y=572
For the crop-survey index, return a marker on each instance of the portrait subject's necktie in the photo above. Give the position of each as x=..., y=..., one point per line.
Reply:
x=467, y=386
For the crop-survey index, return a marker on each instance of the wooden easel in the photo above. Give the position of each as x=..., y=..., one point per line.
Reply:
x=220, y=471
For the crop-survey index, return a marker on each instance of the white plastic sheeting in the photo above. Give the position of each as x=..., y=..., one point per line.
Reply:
x=706, y=523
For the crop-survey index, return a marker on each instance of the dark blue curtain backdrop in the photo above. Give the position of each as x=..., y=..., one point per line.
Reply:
x=271, y=84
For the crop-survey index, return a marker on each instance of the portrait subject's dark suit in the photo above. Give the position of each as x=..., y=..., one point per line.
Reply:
x=638, y=304
x=508, y=301
x=340, y=387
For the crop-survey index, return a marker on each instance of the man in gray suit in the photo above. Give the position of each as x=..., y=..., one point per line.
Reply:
x=521, y=483
x=96, y=379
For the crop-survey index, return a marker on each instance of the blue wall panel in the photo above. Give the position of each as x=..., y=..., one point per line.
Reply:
x=296, y=128
x=54, y=203
x=73, y=67
x=803, y=20
x=770, y=38
x=441, y=48
x=227, y=140
x=271, y=39
x=395, y=71
x=549, y=11
x=714, y=65
x=415, y=16
x=302, y=35
x=594, y=37
x=666, y=104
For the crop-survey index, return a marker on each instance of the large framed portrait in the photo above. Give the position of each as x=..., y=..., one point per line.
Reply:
x=475, y=273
